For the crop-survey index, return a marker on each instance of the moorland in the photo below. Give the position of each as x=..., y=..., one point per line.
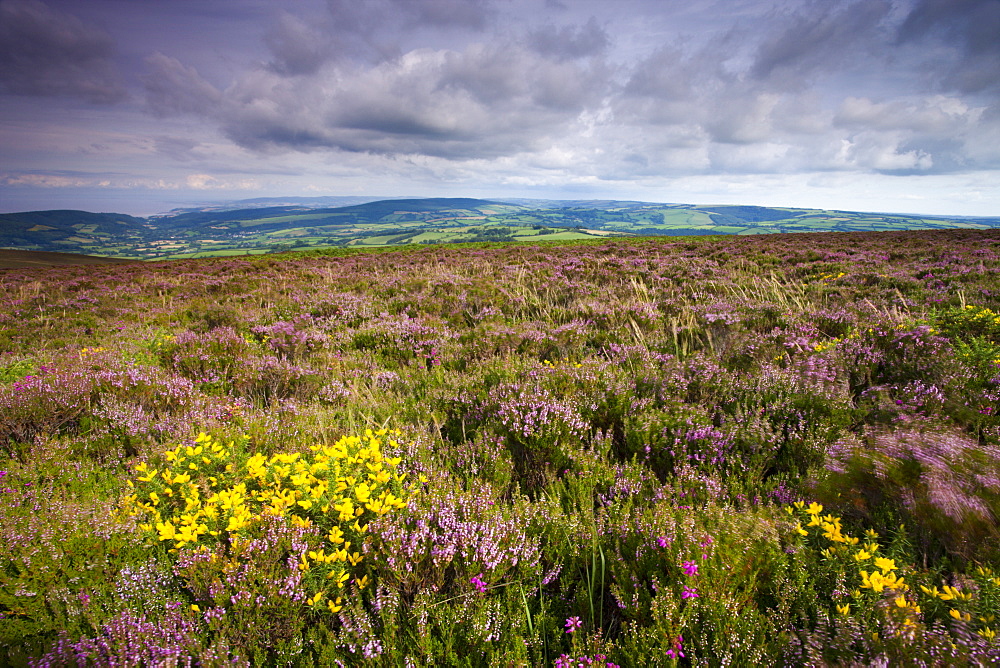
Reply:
x=721, y=450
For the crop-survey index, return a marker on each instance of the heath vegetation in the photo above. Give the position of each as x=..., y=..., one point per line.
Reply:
x=769, y=450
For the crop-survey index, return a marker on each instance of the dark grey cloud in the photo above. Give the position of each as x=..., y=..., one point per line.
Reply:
x=970, y=30
x=374, y=29
x=820, y=37
x=474, y=14
x=496, y=97
x=372, y=15
x=505, y=73
x=570, y=42
x=298, y=47
x=44, y=52
x=175, y=88
x=666, y=74
x=974, y=23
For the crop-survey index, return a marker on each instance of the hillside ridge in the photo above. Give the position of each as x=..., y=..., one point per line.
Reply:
x=311, y=223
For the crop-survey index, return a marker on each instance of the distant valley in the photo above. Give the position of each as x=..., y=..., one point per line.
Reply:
x=275, y=225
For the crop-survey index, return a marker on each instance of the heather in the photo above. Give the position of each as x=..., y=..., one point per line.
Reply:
x=712, y=451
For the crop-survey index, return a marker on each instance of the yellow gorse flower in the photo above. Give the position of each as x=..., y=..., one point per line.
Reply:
x=961, y=616
x=878, y=582
x=207, y=492
x=885, y=565
x=952, y=594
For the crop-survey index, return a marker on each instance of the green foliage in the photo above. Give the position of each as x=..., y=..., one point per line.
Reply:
x=16, y=369
x=615, y=449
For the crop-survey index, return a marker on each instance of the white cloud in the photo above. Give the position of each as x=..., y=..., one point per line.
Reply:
x=209, y=182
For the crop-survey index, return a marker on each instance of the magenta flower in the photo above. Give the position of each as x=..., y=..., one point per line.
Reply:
x=573, y=624
x=689, y=592
x=477, y=582
x=675, y=651
x=689, y=568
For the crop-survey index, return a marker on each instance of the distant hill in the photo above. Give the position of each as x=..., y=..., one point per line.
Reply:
x=17, y=259
x=196, y=219
x=307, y=224
x=386, y=207
x=66, y=229
x=355, y=214
x=323, y=202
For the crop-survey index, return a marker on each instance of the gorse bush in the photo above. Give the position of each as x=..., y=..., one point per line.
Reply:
x=253, y=541
x=774, y=450
x=211, y=502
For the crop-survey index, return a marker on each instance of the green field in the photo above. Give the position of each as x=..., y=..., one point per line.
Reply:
x=425, y=221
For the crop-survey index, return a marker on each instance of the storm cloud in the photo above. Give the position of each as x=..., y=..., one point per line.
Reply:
x=44, y=52
x=540, y=92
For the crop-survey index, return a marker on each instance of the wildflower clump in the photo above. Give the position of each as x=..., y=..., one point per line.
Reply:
x=973, y=603
x=869, y=576
x=213, y=496
x=877, y=584
x=972, y=320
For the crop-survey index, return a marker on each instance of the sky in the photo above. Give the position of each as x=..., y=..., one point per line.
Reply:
x=140, y=106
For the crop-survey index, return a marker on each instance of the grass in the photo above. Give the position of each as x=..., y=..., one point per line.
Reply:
x=771, y=449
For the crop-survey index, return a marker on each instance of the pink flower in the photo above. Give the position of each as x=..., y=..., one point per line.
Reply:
x=675, y=651
x=689, y=568
x=573, y=624
x=689, y=592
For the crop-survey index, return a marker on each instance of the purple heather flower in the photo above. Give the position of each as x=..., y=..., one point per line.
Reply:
x=689, y=592
x=573, y=624
x=689, y=568
x=567, y=661
x=675, y=651
x=478, y=583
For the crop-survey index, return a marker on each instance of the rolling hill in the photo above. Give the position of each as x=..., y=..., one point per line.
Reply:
x=312, y=223
x=66, y=229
